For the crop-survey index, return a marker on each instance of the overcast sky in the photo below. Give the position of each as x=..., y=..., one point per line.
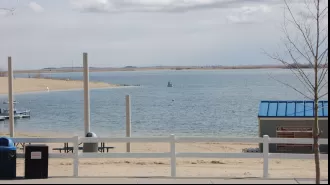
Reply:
x=115, y=33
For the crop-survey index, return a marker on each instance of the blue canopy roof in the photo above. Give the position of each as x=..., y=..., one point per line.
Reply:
x=292, y=109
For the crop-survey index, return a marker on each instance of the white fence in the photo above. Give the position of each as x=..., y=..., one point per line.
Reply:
x=173, y=155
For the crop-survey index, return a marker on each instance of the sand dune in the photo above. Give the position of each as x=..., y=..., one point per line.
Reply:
x=23, y=85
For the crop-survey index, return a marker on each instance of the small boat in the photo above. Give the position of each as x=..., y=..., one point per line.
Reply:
x=169, y=84
x=4, y=113
x=17, y=116
x=7, y=102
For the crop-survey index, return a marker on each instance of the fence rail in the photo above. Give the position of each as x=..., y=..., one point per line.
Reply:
x=217, y=140
x=296, y=141
x=127, y=140
x=173, y=155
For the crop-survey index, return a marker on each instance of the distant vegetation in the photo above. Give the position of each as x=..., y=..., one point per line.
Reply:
x=40, y=76
x=304, y=66
x=130, y=67
x=178, y=68
x=68, y=68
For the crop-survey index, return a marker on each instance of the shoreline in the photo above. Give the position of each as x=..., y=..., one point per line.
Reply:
x=41, y=85
x=166, y=68
x=68, y=90
x=80, y=133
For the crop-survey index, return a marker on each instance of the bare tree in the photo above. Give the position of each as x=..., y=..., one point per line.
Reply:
x=308, y=45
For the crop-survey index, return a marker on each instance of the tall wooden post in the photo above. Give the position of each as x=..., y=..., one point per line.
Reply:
x=128, y=121
x=11, y=98
x=86, y=94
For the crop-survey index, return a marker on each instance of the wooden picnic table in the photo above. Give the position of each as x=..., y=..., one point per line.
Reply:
x=21, y=144
x=68, y=149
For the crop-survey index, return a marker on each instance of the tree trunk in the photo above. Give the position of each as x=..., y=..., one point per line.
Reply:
x=316, y=144
x=316, y=130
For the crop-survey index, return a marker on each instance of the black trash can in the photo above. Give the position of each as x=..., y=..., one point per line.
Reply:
x=91, y=147
x=36, y=161
x=7, y=158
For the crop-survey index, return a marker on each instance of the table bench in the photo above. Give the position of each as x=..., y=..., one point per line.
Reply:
x=68, y=149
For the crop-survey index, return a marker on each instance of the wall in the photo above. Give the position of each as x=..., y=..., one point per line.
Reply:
x=268, y=127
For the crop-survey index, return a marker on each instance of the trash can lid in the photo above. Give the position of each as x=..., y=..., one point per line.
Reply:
x=7, y=144
x=91, y=134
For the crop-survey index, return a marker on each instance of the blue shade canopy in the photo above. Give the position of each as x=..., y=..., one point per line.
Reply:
x=292, y=109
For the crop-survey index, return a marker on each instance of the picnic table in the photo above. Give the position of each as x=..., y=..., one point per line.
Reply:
x=67, y=149
x=21, y=146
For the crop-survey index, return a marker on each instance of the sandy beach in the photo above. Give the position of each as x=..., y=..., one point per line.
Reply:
x=232, y=168
x=24, y=85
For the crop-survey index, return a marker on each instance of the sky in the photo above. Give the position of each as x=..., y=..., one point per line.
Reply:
x=117, y=33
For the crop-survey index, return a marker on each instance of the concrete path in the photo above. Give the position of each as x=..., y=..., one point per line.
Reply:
x=155, y=181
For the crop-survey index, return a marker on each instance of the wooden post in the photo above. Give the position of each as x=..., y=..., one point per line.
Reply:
x=128, y=121
x=266, y=155
x=86, y=94
x=76, y=157
x=173, y=156
x=11, y=99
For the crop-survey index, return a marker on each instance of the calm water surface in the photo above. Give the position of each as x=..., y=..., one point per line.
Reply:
x=214, y=103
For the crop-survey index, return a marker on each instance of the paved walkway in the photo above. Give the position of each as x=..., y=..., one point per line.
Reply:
x=155, y=181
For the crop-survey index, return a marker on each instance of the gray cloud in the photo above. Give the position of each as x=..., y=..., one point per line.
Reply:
x=248, y=14
x=60, y=35
x=118, y=6
x=36, y=7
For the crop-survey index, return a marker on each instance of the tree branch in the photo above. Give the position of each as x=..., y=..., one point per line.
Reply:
x=324, y=66
x=324, y=11
x=295, y=22
x=296, y=47
x=309, y=9
x=316, y=3
x=324, y=95
x=323, y=40
x=301, y=76
x=322, y=86
x=324, y=73
x=323, y=54
x=300, y=71
x=286, y=84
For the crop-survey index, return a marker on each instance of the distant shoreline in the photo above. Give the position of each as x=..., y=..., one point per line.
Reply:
x=131, y=68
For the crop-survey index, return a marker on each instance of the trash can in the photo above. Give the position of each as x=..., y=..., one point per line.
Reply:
x=7, y=158
x=36, y=161
x=90, y=147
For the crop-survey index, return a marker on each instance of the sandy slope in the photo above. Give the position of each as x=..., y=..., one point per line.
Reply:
x=22, y=85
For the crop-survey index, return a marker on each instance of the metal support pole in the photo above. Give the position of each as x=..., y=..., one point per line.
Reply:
x=128, y=122
x=86, y=94
x=11, y=98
